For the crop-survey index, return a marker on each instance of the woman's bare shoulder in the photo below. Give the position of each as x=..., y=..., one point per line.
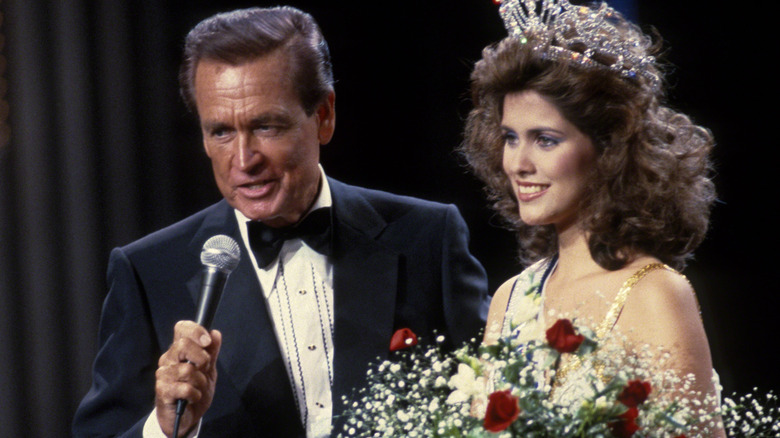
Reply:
x=662, y=310
x=505, y=290
x=497, y=310
x=663, y=292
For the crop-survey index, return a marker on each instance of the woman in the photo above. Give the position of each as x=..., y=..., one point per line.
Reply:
x=606, y=187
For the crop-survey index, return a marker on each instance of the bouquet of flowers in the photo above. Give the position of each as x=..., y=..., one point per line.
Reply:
x=569, y=384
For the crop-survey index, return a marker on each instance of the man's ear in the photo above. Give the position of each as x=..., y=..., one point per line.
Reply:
x=326, y=116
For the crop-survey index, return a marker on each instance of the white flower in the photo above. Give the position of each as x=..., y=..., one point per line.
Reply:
x=466, y=384
x=527, y=309
x=531, y=331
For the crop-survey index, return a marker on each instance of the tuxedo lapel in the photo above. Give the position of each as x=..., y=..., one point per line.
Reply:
x=242, y=312
x=250, y=363
x=365, y=287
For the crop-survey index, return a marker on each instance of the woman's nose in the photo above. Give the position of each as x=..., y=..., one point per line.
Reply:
x=518, y=160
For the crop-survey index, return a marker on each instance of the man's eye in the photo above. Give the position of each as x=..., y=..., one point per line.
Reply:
x=220, y=132
x=267, y=130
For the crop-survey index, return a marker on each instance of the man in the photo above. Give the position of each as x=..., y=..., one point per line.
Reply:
x=298, y=330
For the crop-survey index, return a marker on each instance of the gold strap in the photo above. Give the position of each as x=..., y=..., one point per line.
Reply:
x=573, y=362
x=620, y=300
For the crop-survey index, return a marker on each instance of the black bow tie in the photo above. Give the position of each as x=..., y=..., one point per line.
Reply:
x=314, y=229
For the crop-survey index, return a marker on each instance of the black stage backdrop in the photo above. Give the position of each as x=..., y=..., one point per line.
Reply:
x=102, y=152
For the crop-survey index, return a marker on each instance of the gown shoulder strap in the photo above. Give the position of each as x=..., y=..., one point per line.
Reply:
x=622, y=295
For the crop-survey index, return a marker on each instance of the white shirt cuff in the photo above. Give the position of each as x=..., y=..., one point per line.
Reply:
x=152, y=427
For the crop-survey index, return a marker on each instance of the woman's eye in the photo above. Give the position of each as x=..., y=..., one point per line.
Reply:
x=510, y=138
x=546, y=141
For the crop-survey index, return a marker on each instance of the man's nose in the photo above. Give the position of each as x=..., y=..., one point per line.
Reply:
x=248, y=153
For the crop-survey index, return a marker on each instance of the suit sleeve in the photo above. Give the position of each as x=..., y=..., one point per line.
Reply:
x=464, y=282
x=122, y=392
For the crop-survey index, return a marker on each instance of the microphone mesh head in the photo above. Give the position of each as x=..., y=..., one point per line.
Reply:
x=221, y=252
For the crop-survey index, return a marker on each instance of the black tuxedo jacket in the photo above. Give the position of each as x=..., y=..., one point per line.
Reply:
x=398, y=262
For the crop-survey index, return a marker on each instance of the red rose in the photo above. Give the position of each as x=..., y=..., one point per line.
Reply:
x=635, y=393
x=403, y=338
x=626, y=426
x=502, y=410
x=562, y=337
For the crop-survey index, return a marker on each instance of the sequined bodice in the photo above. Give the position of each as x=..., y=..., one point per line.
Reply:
x=525, y=320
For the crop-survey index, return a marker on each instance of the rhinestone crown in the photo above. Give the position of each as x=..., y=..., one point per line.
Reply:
x=590, y=37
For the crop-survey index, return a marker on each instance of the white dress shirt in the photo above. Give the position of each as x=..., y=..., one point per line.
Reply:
x=298, y=290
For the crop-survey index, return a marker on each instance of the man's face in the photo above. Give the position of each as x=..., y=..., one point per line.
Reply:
x=263, y=147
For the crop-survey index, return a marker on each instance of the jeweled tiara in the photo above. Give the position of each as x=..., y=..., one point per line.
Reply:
x=590, y=37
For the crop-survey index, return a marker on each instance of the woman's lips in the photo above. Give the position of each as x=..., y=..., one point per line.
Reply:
x=527, y=192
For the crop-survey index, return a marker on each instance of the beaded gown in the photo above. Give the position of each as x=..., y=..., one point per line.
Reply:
x=525, y=321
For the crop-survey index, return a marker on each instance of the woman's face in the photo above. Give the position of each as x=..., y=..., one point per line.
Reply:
x=546, y=158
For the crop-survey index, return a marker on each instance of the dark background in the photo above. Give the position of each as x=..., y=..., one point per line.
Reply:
x=102, y=152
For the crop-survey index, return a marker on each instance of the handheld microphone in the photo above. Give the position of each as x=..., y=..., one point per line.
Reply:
x=220, y=256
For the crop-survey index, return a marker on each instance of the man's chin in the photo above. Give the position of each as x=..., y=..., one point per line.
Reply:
x=252, y=210
x=270, y=218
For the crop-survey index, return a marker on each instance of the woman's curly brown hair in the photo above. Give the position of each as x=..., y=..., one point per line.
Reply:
x=651, y=187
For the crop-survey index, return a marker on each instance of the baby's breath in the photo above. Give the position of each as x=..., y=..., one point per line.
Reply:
x=424, y=392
